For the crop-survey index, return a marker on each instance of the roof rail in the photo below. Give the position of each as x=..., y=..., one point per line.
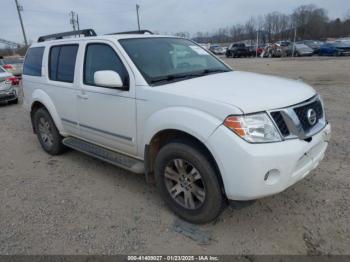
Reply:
x=85, y=32
x=141, y=32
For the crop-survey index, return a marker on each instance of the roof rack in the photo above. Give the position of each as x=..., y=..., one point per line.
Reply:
x=140, y=32
x=85, y=32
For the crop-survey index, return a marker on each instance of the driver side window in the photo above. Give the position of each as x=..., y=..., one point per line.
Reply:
x=99, y=57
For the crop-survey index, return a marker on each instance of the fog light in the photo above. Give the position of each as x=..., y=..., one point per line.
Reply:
x=272, y=176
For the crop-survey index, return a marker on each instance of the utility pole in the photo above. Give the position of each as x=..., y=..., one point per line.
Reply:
x=73, y=20
x=257, y=43
x=19, y=9
x=78, y=24
x=137, y=13
x=295, y=36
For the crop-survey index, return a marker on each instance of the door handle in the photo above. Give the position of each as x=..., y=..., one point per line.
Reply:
x=82, y=96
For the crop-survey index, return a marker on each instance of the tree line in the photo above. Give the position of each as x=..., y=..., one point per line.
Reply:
x=309, y=21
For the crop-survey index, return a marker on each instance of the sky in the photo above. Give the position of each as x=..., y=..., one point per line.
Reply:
x=166, y=16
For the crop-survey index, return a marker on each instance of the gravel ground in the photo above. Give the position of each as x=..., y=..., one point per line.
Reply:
x=74, y=204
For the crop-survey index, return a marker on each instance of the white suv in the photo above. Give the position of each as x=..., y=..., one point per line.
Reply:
x=168, y=108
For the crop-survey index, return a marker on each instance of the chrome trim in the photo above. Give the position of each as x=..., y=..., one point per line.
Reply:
x=293, y=123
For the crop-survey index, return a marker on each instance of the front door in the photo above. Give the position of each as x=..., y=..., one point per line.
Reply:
x=107, y=116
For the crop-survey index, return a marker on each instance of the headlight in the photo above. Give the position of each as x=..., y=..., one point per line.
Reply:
x=256, y=128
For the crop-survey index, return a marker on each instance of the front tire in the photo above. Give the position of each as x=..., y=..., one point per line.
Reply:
x=47, y=132
x=188, y=182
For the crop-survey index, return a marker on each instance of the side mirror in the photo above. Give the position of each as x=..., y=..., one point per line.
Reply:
x=108, y=78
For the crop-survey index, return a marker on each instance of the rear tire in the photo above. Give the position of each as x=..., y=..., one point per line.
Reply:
x=200, y=199
x=47, y=132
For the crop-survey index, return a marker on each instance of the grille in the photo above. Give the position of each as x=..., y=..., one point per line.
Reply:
x=277, y=117
x=6, y=98
x=302, y=113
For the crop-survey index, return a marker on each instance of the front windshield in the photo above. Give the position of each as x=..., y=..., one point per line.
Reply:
x=165, y=59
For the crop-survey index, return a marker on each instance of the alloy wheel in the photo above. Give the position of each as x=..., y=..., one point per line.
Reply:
x=45, y=132
x=184, y=184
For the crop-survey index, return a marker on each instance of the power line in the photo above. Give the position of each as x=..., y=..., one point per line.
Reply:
x=19, y=9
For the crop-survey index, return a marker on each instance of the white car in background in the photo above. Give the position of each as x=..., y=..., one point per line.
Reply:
x=168, y=108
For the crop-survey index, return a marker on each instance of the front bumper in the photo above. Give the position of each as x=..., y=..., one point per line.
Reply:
x=252, y=171
x=8, y=95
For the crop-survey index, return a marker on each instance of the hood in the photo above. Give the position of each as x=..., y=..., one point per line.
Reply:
x=250, y=92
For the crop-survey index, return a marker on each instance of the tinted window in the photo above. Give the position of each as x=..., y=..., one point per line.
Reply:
x=102, y=57
x=2, y=70
x=53, y=62
x=33, y=62
x=62, y=63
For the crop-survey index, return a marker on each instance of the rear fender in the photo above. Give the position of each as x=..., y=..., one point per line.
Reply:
x=43, y=98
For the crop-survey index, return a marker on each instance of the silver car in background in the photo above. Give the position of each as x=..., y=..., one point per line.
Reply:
x=8, y=93
x=299, y=50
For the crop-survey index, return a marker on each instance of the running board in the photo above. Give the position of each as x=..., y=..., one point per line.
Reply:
x=109, y=156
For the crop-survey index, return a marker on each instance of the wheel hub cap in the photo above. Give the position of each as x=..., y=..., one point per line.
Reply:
x=184, y=183
x=45, y=132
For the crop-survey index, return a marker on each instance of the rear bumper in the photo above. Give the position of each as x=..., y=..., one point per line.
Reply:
x=252, y=171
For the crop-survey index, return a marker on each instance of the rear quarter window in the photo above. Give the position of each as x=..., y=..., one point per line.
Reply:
x=33, y=62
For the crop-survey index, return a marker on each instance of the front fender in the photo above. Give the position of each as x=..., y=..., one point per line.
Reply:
x=192, y=121
x=41, y=96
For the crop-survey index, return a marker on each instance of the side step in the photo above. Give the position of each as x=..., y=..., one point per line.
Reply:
x=109, y=156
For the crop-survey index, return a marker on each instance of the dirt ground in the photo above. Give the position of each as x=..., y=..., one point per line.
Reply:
x=74, y=204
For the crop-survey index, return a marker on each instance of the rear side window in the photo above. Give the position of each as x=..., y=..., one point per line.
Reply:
x=34, y=60
x=62, y=63
x=102, y=57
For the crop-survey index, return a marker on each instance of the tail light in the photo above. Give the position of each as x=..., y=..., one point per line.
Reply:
x=12, y=80
x=8, y=67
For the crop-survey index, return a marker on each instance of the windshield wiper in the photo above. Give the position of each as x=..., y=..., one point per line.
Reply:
x=215, y=70
x=175, y=77
x=169, y=78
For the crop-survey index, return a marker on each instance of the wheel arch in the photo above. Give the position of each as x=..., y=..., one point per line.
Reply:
x=163, y=137
x=42, y=100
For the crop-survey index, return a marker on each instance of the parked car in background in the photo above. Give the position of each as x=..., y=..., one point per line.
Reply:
x=299, y=50
x=13, y=65
x=273, y=50
x=283, y=43
x=343, y=45
x=314, y=45
x=260, y=49
x=251, y=50
x=217, y=50
x=330, y=49
x=237, y=50
x=8, y=93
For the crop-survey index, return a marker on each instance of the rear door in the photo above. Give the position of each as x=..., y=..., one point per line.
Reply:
x=107, y=116
x=62, y=86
